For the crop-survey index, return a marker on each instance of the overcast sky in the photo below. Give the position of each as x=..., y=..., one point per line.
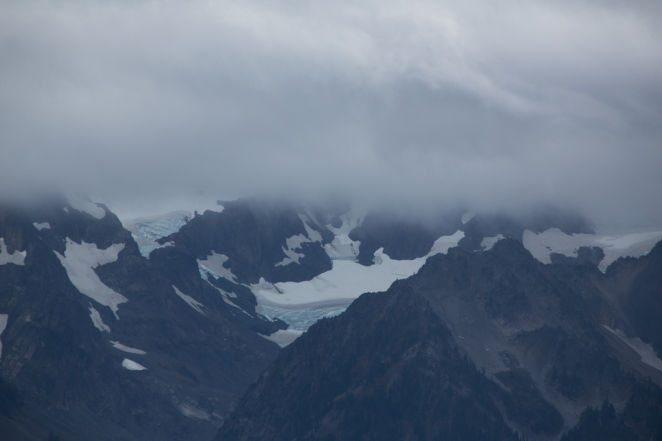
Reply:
x=497, y=104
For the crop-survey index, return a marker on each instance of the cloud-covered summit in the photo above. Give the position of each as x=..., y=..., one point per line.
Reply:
x=493, y=105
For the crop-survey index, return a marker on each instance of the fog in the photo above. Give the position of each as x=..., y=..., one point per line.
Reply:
x=429, y=103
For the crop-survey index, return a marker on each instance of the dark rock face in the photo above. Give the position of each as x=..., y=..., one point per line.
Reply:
x=253, y=235
x=387, y=369
x=511, y=342
x=592, y=255
x=402, y=238
x=407, y=237
x=60, y=373
x=640, y=293
x=539, y=220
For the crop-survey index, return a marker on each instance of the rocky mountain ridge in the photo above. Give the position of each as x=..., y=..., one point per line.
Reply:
x=155, y=329
x=541, y=355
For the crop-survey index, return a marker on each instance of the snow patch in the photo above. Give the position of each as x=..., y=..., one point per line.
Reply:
x=17, y=257
x=80, y=261
x=214, y=265
x=343, y=248
x=190, y=300
x=191, y=412
x=3, y=325
x=445, y=243
x=42, y=225
x=96, y=320
x=132, y=365
x=645, y=351
x=121, y=347
x=350, y=220
x=314, y=236
x=489, y=242
x=80, y=204
x=615, y=244
x=346, y=280
x=293, y=244
x=466, y=217
x=284, y=337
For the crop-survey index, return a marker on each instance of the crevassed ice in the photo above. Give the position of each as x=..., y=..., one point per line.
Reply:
x=80, y=261
x=146, y=231
x=17, y=257
x=302, y=318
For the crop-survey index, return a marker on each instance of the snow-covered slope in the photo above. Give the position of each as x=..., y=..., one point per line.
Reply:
x=80, y=260
x=614, y=243
x=301, y=304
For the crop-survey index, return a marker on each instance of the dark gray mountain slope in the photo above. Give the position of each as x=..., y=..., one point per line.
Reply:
x=60, y=371
x=409, y=237
x=387, y=369
x=525, y=343
x=252, y=234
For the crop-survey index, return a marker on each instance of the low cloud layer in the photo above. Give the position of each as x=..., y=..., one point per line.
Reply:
x=439, y=102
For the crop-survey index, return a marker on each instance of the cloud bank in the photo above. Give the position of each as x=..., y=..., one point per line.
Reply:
x=435, y=102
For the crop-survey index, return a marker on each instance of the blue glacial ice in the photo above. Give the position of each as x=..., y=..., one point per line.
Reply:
x=302, y=318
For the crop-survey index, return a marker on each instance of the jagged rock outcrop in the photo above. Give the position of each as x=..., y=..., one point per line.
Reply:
x=258, y=239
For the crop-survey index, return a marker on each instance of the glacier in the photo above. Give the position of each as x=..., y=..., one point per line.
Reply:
x=146, y=231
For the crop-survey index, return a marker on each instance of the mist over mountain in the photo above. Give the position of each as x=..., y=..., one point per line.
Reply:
x=430, y=102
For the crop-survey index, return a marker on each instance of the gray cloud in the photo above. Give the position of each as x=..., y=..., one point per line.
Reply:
x=494, y=105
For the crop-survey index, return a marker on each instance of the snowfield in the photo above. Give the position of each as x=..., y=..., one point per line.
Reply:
x=96, y=320
x=17, y=257
x=132, y=365
x=301, y=304
x=284, y=337
x=347, y=280
x=214, y=266
x=80, y=261
x=121, y=347
x=615, y=243
x=85, y=206
x=190, y=300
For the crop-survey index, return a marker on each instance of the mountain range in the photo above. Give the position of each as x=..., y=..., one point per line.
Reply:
x=263, y=319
